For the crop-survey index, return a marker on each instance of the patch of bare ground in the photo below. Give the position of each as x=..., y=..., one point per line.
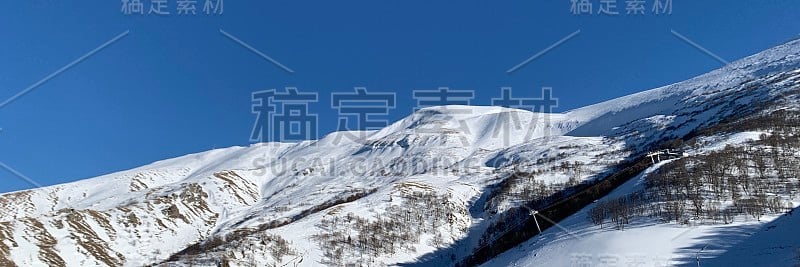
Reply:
x=244, y=190
x=88, y=239
x=45, y=241
x=12, y=203
x=6, y=242
x=137, y=184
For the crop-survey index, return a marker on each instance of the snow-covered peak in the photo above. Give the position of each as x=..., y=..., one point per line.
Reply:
x=289, y=189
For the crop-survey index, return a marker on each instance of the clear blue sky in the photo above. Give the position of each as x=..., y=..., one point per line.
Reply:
x=175, y=85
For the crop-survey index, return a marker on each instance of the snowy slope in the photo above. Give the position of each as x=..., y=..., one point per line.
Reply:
x=772, y=241
x=581, y=239
x=287, y=192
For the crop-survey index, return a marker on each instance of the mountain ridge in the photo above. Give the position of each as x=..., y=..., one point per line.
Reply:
x=206, y=197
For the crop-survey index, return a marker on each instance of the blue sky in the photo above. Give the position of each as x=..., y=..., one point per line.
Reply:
x=175, y=85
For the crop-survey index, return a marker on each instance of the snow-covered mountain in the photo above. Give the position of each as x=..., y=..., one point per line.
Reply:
x=422, y=190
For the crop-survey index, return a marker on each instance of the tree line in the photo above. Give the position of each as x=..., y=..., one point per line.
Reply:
x=352, y=240
x=754, y=179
